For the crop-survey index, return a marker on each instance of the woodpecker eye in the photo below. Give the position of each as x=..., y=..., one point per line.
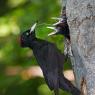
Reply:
x=27, y=34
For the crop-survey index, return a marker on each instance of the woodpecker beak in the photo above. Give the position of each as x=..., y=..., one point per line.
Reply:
x=33, y=27
x=56, y=18
x=52, y=33
x=57, y=23
x=52, y=28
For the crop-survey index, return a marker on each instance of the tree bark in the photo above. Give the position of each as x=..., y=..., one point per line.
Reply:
x=81, y=20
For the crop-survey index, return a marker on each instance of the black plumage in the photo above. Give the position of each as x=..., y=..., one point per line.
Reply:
x=50, y=59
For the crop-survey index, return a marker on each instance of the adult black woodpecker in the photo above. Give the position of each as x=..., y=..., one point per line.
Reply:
x=51, y=61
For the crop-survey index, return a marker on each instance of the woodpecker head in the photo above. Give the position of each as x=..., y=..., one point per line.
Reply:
x=28, y=36
x=61, y=27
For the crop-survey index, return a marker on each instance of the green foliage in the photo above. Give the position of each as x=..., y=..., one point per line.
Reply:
x=17, y=16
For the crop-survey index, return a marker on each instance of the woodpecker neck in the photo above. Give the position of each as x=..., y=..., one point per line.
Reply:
x=33, y=43
x=37, y=43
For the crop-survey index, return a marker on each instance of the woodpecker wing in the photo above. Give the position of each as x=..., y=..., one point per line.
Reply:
x=48, y=58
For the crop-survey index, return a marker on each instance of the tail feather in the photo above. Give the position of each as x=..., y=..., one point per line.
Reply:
x=68, y=86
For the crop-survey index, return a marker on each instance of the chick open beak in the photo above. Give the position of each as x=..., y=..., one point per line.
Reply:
x=52, y=33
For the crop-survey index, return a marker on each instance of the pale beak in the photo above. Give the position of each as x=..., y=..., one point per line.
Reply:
x=56, y=18
x=51, y=28
x=56, y=23
x=33, y=27
x=52, y=33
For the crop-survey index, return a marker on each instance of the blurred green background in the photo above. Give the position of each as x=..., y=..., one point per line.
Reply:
x=19, y=71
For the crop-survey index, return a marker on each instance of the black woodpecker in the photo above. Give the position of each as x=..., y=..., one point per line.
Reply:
x=51, y=61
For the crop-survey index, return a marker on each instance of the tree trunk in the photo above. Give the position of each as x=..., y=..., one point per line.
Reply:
x=81, y=20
